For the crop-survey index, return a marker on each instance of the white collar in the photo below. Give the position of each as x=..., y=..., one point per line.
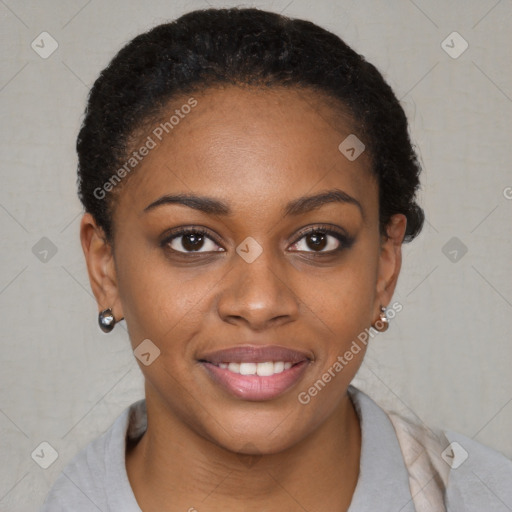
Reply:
x=383, y=482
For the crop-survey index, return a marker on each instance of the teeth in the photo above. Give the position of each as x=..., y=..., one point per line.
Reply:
x=248, y=368
x=265, y=369
x=261, y=369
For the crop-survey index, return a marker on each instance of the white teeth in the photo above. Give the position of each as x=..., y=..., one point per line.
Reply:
x=234, y=367
x=261, y=369
x=278, y=367
x=247, y=368
x=265, y=369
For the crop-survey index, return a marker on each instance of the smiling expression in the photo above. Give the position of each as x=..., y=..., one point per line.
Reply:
x=250, y=172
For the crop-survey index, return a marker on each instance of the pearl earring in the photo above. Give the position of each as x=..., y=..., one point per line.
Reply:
x=106, y=320
x=382, y=323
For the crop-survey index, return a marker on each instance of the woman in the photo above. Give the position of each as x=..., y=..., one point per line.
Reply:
x=248, y=181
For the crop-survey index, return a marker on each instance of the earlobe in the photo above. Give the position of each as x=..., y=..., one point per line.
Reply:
x=100, y=265
x=390, y=259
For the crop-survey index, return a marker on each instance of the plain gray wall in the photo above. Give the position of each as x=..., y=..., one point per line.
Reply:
x=448, y=354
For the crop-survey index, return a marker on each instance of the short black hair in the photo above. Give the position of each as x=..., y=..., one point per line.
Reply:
x=242, y=46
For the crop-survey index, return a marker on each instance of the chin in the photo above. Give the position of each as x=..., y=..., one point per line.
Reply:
x=257, y=429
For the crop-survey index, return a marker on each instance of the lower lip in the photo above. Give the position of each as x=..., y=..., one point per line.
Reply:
x=254, y=387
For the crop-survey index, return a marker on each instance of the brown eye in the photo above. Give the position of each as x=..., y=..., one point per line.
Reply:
x=322, y=241
x=190, y=241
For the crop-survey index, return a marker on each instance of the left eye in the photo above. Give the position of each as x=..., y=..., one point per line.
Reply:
x=319, y=240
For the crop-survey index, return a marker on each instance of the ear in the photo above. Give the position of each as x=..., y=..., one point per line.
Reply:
x=100, y=266
x=390, y=261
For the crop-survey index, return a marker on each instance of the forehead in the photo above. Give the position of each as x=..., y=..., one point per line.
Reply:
x=251, y=147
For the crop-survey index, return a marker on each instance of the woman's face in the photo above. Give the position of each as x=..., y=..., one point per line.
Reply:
x=255, y=279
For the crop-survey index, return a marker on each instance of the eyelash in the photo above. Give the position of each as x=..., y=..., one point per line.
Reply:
x=344, y=240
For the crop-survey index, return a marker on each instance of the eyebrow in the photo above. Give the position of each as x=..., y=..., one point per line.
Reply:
x=212, y=206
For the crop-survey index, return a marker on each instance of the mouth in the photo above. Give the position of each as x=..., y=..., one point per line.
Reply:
x=255, y=373
x=261, y=369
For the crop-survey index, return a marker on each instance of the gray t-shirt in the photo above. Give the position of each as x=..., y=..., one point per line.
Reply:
x=96, y=479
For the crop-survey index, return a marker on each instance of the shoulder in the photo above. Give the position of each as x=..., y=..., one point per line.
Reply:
x=468, y=474
x=448, y=471
x=480, y=477
x=96, y=475
x=79, y=485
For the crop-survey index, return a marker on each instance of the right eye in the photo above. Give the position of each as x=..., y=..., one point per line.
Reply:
x=190, y=240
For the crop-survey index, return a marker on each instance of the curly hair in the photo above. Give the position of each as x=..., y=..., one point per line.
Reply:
x=242, y=46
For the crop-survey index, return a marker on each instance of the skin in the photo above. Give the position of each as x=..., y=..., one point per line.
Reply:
x=255, y=150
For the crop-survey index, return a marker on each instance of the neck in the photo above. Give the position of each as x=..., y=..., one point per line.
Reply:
x=172, y=464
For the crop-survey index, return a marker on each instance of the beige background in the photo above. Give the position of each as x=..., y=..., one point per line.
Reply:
x=448, y=354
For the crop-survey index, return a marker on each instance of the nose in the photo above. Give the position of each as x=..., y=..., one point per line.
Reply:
x=258, y=294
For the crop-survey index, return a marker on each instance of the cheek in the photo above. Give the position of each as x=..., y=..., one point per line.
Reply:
x=170, y=303
x=160, y=301
x=342, y=296
x=161, y=298
x=341, y=306
x=176, y=308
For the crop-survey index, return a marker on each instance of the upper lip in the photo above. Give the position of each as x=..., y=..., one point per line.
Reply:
x=255, y=354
